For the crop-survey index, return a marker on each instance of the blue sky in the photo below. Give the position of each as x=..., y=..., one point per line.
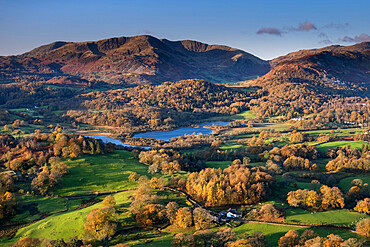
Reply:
x=265, y=28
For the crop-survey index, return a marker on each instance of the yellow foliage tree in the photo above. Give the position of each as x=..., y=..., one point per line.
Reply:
x=363, y=206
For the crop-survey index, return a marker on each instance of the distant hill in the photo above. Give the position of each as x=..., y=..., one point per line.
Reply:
x=332, y=70
x=308, y=81
x=132, y=60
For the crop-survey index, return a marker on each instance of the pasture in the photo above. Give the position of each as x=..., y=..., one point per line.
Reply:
x=100, y=173
x=340, y=217
x=326, y=146
x=64, y=225
x=345, y=183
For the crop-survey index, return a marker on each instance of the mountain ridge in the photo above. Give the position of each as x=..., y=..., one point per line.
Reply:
x=332, y=69
x=138, y=59
x=145, y=59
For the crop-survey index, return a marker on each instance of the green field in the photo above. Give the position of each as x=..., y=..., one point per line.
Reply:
x=100, y=173
x=33, y=207
x=303, y=185
x=246, y=114
x=64, y=225
x=242, y=115
x=345, y=184
x=339, y=133
x=275, y=232
x=342, y=217
x=224, y=164
x=321, y=163
x=257, y=164
x=231, y=146
x=326, y=146
x=218, y=164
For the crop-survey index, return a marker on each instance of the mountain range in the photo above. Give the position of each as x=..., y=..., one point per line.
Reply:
x=146, y=59
x=135, y=60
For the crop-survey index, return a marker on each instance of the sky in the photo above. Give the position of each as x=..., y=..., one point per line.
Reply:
x=265, y=28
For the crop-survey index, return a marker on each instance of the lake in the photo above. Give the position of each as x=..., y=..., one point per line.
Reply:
x=164, y=135
x=107, y=139
x=167, y=135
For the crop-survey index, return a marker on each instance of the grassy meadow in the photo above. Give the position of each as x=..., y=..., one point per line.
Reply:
x=354, y=144
x=100, y=173
x=65, y=225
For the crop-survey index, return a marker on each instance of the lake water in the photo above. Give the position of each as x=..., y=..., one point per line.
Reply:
x=167, y=135
x=107, y=139
x=164, y=135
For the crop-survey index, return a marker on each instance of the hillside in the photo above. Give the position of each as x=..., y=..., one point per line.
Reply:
x=310, y=81
x=132, y=60
x=329, y=70
x=165, y=106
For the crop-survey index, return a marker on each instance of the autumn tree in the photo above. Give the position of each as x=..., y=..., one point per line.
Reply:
x=143, y=196
x=171, y=211
x=28, y=242
x=241, y=243
x=7, y=204
x=183, y=240
x=150, y=215
x=352, y=242
x=256, y=239
x=317, y=241
x=307, y=235
x=225, y=235
x=313, y=200
x=357, y=182
x=296, y=137
x=350, y=160
x=109, y=201
x=41, y=182
x=332, y=240
x=297, y=163
x=99, y=223
x=201, y=218
x=74, y=150
x=237, y=184
x=184, y=217
x=273, y=167
x=269, y=211
x=122, y=245
x=363, y=206
x=133, y=176
x=204, y=237
x=157, y=183
x=6, y=182
x=331, y=197
x=363, y=227
x=309, y=238
x=298, y=198
x=290, y=239
x=49, y=177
